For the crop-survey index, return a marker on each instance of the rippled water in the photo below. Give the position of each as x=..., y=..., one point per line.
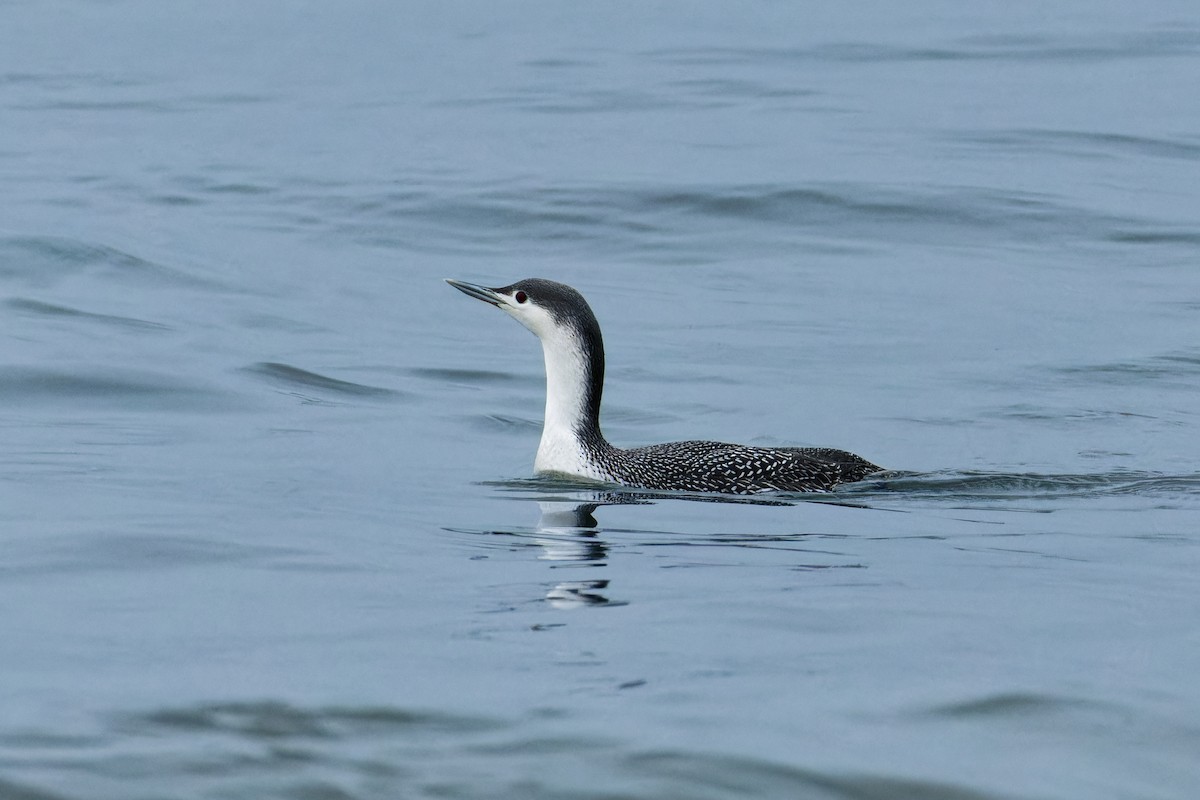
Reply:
x=266, y=510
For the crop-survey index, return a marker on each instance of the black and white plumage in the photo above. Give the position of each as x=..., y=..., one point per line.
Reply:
x=572, y=443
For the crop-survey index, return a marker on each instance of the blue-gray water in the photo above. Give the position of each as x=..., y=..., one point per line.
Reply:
x=266, y=516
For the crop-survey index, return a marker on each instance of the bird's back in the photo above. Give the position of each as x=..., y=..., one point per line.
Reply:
x=700, y=466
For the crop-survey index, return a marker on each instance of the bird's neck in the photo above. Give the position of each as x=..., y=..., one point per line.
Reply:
x=574, y=384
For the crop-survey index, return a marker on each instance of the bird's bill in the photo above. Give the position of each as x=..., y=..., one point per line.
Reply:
x=475, y=290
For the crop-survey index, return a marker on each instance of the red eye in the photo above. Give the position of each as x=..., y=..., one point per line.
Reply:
x=520, y=297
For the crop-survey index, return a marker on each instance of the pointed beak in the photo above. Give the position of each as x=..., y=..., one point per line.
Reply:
x=478, y=292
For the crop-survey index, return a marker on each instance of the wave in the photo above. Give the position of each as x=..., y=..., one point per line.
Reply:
x=685, y=223
x=976, y=485
x=270, y=748
x=295, y=378
x=51, y=310
x=1017, y=48
x=949, y=485
x=116, y=388
x=46, y=260
x=1086, y=144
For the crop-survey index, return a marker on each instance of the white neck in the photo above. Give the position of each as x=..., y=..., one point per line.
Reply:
x=566, y=395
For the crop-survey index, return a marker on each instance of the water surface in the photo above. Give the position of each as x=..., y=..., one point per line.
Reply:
x=267, y=517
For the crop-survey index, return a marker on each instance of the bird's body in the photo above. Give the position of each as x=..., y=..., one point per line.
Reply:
x=573, y=445
x=702, y=466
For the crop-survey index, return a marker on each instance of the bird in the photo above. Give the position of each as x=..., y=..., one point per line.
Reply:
x=573, y=446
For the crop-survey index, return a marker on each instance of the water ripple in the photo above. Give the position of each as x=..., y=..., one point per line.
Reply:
x=237, y=749
x=46, y=260
x=38, y=308
x=1021, y=49
x=15, y=791
x=115, y=388
x=274, y=720
x=970, y=485
x=469, y=377
x=293, y=377
x=134, y=552
x=947, y=485
x=1012, y=705
x=725, y=776
x=1086, y=144
x=1172, y=367
x=665, y=219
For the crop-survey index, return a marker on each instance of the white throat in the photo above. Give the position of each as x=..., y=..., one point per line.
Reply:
x=561, y=449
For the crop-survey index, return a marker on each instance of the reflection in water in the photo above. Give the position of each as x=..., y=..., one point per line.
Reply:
x=567, y=533
x=573, y=594
x=569, y=530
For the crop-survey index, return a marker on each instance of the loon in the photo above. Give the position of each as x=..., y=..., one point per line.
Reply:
x=573, y=445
